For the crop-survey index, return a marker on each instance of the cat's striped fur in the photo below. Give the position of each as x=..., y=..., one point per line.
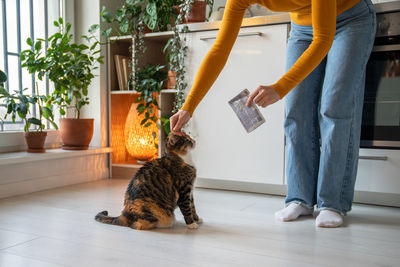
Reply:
x=157, y=189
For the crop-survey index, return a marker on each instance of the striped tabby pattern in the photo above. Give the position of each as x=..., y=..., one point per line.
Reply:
x=157, y=189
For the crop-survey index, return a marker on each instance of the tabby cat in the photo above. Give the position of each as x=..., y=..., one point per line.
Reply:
x=158, y=188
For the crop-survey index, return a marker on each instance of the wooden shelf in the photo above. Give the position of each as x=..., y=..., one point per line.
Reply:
x=123, y=92
x=169, y=91
x=120, y=101
x=127, y=165
x=162, y=36
x=163, y=91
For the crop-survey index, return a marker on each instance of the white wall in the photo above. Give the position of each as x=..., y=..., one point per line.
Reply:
x=87, y=13
x=35, y=174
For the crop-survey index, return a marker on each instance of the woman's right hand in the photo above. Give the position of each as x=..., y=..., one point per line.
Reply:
x=179, y=120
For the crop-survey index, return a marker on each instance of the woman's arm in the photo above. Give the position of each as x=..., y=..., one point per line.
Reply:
x=323, y=14
x=216, y=58
x=324, y=26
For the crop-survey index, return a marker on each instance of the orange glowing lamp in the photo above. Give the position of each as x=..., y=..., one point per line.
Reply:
x=139, y=140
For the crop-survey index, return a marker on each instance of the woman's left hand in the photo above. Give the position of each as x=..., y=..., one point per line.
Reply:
x=263, y=96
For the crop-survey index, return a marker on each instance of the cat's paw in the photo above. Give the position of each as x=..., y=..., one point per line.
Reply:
x=193, y=226
x=199, y=220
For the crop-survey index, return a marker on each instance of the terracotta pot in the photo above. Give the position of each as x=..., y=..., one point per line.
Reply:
x=171, y=82
x=197, y=12
x=35, y=141
x=76, y=134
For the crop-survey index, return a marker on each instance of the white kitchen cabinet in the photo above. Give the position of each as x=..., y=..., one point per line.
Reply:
x=378, y=171
x=224, y=150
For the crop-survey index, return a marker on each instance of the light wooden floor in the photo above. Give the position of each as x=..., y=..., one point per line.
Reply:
x=56, y=228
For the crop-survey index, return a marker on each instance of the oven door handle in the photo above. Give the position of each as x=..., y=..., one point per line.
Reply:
x=386, y=48
x=373, y=157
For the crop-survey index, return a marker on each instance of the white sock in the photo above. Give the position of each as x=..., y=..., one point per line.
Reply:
x=292, y=212
x=328, y=218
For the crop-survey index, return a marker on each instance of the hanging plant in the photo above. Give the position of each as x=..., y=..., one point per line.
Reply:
x=128, y=20
x=149, y=81
x=176, y=52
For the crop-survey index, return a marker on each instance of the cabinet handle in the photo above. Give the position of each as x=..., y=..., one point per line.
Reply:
x=244, y=34
x=373, y=157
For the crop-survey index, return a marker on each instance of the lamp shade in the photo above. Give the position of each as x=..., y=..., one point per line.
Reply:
x=139, y=140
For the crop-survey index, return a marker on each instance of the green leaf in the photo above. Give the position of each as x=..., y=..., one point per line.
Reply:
x=143, y=121
x=60, y=20
x=108, y=32
x=4, y=92
x=106, y=16
x=22, y=110
x=27, y=126
x=38, y=46
x=62, y=112
x=56, y=24
x=34, y=121
x=47, y=113
x=54, y=125
x=94, y=46
x=10, y=108
x=29, y=41
x=68, y=27
x=3, y=77
x=83, y=47
x=147, y=124
x=151, y=18
x=93, y=28
x=80, y=104
x=23, y=99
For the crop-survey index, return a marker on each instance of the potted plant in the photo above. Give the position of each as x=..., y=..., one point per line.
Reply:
x=70, y=67
x=197, y=12
x=135, y=16
x=161, y=15
x=18, y=105
x=128, y=20
x=171, y=80
x=149, y=81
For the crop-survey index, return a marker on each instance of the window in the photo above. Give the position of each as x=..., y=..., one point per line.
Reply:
x=20, y=19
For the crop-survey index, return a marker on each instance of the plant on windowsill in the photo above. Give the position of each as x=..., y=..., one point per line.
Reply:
x=18, y=104
x=70, y=67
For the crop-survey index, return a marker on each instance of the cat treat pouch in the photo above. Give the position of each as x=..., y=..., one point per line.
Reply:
x=250, y=117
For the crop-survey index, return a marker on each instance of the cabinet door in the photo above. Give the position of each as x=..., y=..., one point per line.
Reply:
x=224, y=150
x=378, y=171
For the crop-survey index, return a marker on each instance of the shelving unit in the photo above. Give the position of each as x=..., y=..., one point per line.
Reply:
x=120, y=101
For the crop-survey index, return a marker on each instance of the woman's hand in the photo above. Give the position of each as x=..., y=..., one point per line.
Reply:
x=263, y=96
x=178, y=121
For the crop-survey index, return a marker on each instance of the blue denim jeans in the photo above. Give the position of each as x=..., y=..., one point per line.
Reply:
x=323, y=113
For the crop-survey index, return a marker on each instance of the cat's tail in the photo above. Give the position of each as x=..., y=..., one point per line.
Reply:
x=104, y=218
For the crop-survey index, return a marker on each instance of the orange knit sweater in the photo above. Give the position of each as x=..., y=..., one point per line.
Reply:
x=321, y=14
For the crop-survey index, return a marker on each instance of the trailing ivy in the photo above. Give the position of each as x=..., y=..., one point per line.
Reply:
x=176, y=52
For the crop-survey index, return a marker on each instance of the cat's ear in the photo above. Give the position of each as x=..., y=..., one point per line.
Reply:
x=172, y=139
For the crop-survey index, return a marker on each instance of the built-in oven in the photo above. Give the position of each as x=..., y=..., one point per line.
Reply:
x=381, y=112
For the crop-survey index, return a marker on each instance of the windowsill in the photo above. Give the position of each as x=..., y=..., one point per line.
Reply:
x=23, y=157
x=15, y=141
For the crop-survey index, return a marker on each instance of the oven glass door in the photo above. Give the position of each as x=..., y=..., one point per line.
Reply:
x=381, y=114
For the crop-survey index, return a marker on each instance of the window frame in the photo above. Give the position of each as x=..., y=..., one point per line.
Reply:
x=11, y=141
